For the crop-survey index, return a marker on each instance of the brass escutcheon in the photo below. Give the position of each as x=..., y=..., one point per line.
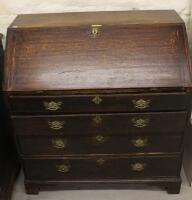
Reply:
x=140, y=123
x=95, y=30
x=56, y=125
x=59, y=143
x=63, y=168
x=97, y=120
x=140, y=142
x=100, y=138
x=52, y=105
x=138, y=167
x=97, y=100
x=141, y=103
x=100, y=161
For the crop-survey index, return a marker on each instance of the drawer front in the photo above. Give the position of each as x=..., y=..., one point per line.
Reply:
x=98, y=144
x=100, y=168
x=106, y=124
x=98, y=103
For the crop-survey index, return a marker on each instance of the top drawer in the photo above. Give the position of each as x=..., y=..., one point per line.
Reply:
x=98, y=103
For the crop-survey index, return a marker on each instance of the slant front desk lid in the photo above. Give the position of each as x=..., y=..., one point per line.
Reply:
x=97, y=50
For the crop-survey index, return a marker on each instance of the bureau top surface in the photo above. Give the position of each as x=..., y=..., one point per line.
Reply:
x=97, y=50
x=102, y=17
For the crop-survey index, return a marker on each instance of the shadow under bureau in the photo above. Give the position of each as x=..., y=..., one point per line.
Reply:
x=99, y=99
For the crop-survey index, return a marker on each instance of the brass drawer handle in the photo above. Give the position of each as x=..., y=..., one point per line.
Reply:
x=100, y=139
x=141, y=103
x=95, y=30
x=97, y=100
x=52, y=105
x=97, y=120
x=56, y=125
x=138, y=167
x=63, y=168
x=59, y=143
x=140, y=142
x=100, y=161
x=140, y=123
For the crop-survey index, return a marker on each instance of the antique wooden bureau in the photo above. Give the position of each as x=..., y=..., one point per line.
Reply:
x=99, y=99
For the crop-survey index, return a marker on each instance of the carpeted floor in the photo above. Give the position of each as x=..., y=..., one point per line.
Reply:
x=131, y=194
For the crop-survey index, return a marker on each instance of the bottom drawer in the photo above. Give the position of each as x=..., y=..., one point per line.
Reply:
x=92, y=167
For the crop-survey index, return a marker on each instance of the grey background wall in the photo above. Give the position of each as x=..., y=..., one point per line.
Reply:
x=10, y=8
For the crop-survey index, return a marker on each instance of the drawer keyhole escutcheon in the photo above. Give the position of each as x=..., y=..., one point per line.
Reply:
x=138, y=167
x=100, y=139
x=140, y=123
x=100, y=161
x=97, y=100
x=59, y=143
x=97, y=120
x=63, y=168
x=141, y=103
x=56, y=125
x=140, y=142
x=95, y=30
x=52, y=105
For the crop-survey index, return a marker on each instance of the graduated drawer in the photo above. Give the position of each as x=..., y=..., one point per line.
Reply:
x=86, y=168
x=47, y=146
x=105, y=124
x=98, y=103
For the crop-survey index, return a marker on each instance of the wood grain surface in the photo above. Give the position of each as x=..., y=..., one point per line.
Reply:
x=122, y=55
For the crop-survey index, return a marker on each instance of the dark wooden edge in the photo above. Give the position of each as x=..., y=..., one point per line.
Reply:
x=8, y=174
x=187, y=160
x=99, y=91
x=187, y=148
x=172, y=185
x=178, y=20
x=187, y=52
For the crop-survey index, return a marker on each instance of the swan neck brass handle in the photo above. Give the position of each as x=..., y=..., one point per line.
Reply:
x=100, y=139
x=59, y=143
x=141, y=103
x=141, y=122
x=52, y=105
x=140, y=142
x=64, y=168
x=138, y=167
x=56, y=125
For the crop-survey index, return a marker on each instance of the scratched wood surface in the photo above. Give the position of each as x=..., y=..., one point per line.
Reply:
x=131, y=50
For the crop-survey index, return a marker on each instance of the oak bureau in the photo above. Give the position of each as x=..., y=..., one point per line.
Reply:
x=99, y=99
